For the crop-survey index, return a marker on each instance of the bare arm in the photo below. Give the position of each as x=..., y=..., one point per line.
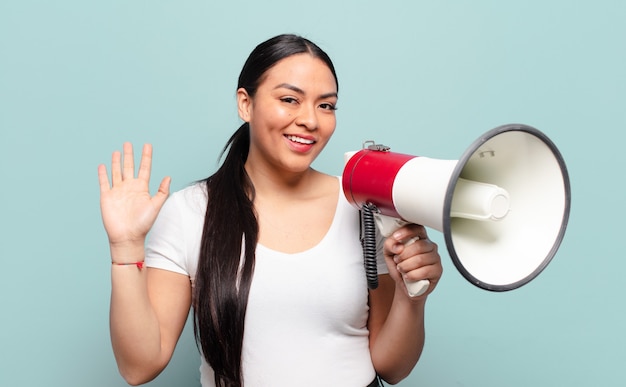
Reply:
x=148, y=313
x=396, y=321
x=149, y=307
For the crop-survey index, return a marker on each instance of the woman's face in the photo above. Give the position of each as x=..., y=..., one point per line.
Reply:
x=291, y=116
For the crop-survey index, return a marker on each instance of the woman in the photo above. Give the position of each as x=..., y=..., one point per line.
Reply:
x=266, y=250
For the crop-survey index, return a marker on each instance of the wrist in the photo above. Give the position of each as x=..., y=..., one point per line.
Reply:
x=127, y=252
x=138, y=264
x=402, y=295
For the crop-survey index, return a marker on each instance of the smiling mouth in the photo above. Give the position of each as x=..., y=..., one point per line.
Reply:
x=300, y=140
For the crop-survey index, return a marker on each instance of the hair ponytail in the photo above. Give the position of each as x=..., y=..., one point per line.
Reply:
x=224, y=275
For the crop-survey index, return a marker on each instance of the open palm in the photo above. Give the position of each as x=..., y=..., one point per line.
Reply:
x=128, y=209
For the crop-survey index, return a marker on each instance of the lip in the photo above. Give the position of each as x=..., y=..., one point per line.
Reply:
x=298, y=146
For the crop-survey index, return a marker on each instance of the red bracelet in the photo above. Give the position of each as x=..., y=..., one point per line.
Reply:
x=139, y=264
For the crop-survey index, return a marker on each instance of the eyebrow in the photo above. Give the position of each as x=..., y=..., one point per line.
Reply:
x=300, y=91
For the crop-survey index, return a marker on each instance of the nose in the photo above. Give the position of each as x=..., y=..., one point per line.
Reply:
x=307, y=117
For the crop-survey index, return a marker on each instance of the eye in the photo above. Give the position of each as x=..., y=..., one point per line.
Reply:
x=289, y=100
x=328, y=106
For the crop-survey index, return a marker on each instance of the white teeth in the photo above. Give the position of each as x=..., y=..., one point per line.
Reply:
x=300, y=140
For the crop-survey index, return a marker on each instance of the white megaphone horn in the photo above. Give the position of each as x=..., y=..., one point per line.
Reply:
x=503, y=206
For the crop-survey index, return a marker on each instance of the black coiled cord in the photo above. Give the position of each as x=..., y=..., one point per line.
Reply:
x=368, y=242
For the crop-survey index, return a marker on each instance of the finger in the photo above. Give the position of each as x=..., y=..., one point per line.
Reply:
x=128, y=172
x=392, y=247
x=116, y=168
x=163, y=192
x=103, y=178
x=419, y=249
x=410, y=231
x=146, y=163
x=413, y=263
x=400, y=251
x=430, y=272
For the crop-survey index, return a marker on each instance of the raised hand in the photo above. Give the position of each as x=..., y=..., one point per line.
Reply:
x=128, y=209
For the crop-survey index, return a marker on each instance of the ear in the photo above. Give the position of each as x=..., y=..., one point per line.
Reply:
x=244, y=104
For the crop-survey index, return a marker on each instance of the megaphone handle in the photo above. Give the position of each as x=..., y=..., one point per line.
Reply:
x=419, y=287
x=387, y=226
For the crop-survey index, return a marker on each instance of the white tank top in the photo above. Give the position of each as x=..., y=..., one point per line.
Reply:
x=306, y=322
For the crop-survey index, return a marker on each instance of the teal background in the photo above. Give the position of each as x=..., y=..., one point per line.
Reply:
x=78, y=78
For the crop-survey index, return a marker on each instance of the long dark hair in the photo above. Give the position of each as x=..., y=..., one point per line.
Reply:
x=224, y=274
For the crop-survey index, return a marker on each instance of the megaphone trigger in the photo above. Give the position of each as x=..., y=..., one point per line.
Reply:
x=412, y=240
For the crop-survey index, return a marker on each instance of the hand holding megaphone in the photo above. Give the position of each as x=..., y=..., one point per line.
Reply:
x=387, y=226
x=503, y=206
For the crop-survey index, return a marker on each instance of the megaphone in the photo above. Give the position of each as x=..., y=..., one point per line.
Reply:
x=503, y=206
